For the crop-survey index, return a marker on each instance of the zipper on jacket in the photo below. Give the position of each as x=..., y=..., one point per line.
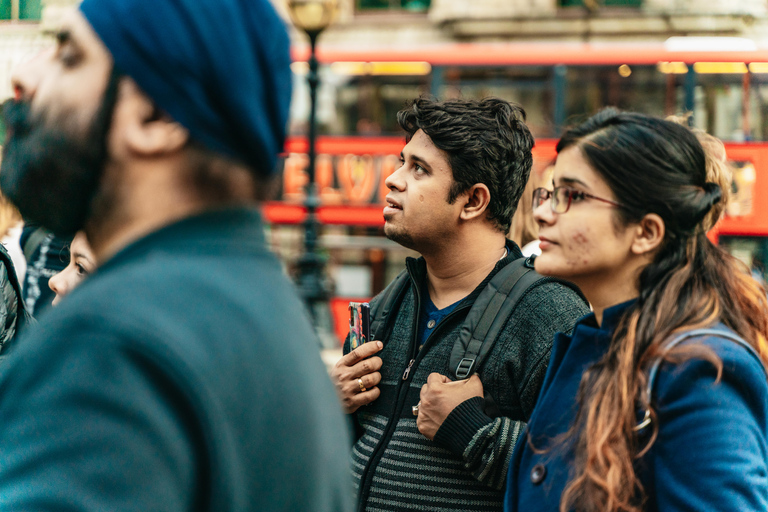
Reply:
x=366, y=478
x=408, y=369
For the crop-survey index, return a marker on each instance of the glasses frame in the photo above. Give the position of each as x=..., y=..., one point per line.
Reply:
x=570, y=193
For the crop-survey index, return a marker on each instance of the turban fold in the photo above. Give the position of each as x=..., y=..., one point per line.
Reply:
x=220, y=68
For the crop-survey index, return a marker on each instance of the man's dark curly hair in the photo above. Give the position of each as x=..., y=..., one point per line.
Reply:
x=487, y=142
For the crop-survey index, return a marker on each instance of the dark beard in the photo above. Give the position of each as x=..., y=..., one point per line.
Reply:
x=401, y=237
x=50, y=174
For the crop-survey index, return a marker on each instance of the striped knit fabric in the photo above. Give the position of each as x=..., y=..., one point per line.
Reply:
x=394, y=467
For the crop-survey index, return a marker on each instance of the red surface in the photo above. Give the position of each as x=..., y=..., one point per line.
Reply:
x=478, y=54
x=756, y=223
x=344, y=145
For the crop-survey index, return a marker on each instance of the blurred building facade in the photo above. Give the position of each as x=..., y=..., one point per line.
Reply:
x=384, y=25
x=423, y=21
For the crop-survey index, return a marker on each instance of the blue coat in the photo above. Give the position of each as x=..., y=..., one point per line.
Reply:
x=712, y=449
x=183, y=376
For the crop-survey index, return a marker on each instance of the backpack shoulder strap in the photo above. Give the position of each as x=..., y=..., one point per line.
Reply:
x=387, y=302
x=654, y=369
x=489, y=314
x=22, y=316
x=693, y=334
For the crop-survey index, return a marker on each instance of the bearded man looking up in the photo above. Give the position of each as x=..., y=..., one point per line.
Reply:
x=170, y=379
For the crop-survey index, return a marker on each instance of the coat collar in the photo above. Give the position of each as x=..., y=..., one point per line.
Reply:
x=584, y=347
x=417, y=268
x=230, y=230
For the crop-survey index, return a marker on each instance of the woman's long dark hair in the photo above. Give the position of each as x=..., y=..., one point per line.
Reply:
x=655, y=166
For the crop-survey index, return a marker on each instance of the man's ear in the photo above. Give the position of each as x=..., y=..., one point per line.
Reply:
x=648, y=234
x=147, y=131
x=476, y=200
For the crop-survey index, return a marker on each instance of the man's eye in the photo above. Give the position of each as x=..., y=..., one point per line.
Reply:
x=69, y=57
x=419, y=169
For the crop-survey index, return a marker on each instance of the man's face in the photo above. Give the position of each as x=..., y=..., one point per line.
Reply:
x=418, y=215
x=57, y=124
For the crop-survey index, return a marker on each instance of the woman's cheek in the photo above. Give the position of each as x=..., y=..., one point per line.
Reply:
x=579, y=248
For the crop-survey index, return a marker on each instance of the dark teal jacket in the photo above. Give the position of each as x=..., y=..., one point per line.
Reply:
x=182, y=376
x=712, y=448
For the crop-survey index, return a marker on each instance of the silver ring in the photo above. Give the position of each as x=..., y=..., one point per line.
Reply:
x=363, y=389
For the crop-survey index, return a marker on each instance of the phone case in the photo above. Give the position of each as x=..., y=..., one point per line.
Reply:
x=359, y=324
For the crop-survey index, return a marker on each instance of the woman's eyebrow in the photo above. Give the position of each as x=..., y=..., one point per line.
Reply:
x=571, y=181
x=81, y=255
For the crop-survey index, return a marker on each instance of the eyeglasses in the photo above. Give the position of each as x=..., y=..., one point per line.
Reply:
x=562, y=197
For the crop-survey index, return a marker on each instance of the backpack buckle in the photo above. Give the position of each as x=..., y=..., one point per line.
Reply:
x=464, y=367
x=529, y=261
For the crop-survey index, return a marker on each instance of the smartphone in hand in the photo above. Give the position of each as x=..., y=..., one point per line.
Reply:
x=359, y=324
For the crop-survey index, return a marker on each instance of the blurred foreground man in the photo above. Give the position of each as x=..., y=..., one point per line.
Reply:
x=182, y=376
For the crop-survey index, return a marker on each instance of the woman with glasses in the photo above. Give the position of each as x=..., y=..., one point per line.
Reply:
x=659, y=398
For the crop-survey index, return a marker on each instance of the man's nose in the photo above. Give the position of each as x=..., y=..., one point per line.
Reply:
x=394, y=181
x=25, y=78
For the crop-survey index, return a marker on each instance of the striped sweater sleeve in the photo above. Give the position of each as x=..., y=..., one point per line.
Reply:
x=484, y=443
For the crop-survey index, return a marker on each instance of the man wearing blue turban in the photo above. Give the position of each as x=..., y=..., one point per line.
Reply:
x=183, y=375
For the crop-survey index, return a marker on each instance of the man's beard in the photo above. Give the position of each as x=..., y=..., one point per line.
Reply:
x=399, y=236
x=49, y=173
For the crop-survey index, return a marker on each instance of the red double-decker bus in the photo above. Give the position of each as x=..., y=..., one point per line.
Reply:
x=558, y=84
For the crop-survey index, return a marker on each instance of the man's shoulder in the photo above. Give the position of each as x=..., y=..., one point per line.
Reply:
x=204, y=322
x=167, y=301
x=552, y=293
x=143, y=282
x=545, y=309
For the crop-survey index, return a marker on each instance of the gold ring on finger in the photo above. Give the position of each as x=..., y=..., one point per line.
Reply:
x=363, y=389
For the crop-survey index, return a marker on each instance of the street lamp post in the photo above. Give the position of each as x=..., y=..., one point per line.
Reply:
x=313, y=16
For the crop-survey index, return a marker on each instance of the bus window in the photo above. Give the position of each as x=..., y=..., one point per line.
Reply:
x=353, y=102
x=758, y=106
x=719, y=105
x=638, y=88
x=530, y=86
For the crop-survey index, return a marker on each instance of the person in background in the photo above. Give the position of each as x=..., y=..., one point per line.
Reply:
x=525, y=230
x=658, y=401
x=184, y=375
x=82, y=263
x=11, y=227
x=13, y=314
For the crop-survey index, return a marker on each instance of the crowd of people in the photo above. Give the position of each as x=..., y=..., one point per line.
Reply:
x=617, y=362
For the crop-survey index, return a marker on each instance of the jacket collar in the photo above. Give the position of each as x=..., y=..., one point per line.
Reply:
x=417, y=268
x=611, y=318
x=229, y=230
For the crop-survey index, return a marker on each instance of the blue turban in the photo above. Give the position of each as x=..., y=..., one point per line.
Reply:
x=220, y=68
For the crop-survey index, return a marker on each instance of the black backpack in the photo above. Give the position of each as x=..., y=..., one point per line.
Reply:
x=12, y=292
x=496, y=302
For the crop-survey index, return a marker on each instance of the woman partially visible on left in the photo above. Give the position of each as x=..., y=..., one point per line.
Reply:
x=81, y=264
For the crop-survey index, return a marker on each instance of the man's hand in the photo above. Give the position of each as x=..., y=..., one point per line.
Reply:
x=356, y=376
x=439, y=396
